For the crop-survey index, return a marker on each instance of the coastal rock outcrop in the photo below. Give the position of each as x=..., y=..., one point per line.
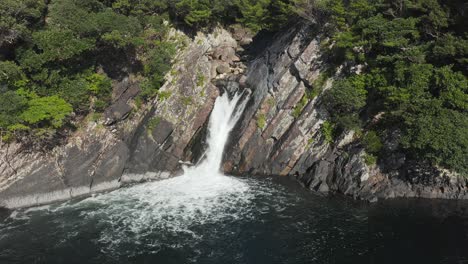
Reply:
x=281, y=131
x=129, y=143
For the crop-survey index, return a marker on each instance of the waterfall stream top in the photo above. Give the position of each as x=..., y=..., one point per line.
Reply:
x=226, y=112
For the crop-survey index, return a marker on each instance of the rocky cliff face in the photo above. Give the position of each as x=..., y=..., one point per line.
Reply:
x=129, y=143
x=280, y=132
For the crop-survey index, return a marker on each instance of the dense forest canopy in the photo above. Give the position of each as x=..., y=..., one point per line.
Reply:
x=415, y=54
x=59, y=57
x=63, y=53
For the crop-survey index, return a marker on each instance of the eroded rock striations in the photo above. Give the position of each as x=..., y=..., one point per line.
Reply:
x=129, y=143
x=280, y=132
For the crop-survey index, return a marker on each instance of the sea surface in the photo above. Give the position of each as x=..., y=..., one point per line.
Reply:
x=221, y=219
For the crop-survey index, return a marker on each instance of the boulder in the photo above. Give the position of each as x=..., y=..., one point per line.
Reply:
x=116, y=112
x=246, y=41
x=223, y=68
x=225, y=53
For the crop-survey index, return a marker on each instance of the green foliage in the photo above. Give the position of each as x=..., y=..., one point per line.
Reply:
x=10, y=74
x=96, y=116
x=195, y=12
x=254, y=13
x=452, y=88
x=101, y=87
x=99, y=84
x=449, y=49
x=372, y=142
x=370, y=159
x=75, y=92
x=348, y=95
x=271, y=101
x=53, y=45
x=300, y=106
x=139, y=7
x=52, y=66
x=345, y=100
x=338, y=13
x=328, y=131
x=159, y=64
x=153, y=123
x=416, y=76
x=200, y=79
x=45, y=111
x=187, y=101
x=440, y=135
x=320, y=82
x=17, y=17
x=264, y=14
x=56, y=44
x=94, y=21
x=147, y=90
x=164, y=95
x=12, y=105
x=261, y=121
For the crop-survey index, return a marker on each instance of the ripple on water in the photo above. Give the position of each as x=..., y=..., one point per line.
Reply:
x=153, y=215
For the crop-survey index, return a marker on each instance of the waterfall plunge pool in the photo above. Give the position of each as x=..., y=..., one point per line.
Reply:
x=206, y=217
x=234, y=220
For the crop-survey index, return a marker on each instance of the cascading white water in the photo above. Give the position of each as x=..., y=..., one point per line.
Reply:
x=180, y=212
x=226, y=112
x=151, y=214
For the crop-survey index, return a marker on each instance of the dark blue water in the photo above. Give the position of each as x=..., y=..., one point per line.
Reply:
x=229, y=220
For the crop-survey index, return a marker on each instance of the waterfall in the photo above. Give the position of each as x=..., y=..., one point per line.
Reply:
x=178, y=206
x=226, y=112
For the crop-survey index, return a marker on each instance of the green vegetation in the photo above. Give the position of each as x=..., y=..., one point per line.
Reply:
x=50, y=110
x=186, y=100
x=346, y=99
x=58, y=60
x=200, y=79
x=415, y=56
x=372, y=142
x=300, y=106
x=261, y=121
x=271, y=101
x=164, y=95
x=59, y=57
x=370, y=159
x=319, y=84
x=328, y=131
x=153, y=123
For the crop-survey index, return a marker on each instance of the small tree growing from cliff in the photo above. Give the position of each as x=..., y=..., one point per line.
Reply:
x=311, y=10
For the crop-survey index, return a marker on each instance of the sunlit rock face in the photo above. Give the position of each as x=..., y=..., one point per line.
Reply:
x=131, y=143
x=280, y=132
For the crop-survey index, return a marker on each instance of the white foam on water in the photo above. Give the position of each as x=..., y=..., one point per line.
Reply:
x=202, y=195
x=171, y=206
x=155, y=215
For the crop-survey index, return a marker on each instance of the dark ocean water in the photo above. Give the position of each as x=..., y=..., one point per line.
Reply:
x=234, y=220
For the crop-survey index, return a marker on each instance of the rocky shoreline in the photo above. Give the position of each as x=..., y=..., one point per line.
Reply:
x=279, y=133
